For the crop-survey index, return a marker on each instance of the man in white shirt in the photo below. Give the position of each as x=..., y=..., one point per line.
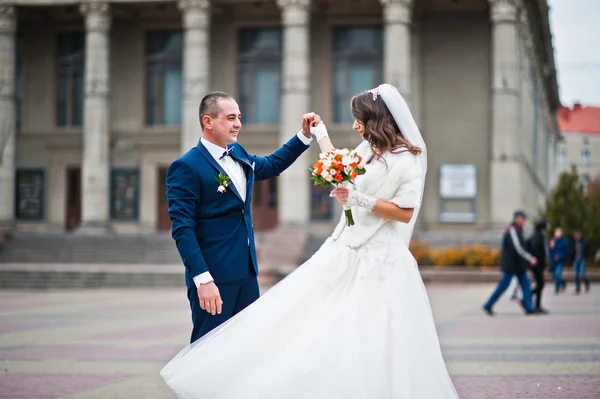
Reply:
x=209, y=190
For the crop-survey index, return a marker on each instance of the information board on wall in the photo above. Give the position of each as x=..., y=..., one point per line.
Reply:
x=458, y=184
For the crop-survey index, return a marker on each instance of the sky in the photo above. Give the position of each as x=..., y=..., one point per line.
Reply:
x=575, y=26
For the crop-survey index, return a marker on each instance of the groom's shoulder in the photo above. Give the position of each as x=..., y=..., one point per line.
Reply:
x=186, y=160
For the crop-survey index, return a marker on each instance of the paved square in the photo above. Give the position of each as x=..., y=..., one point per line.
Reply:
x=92, y=344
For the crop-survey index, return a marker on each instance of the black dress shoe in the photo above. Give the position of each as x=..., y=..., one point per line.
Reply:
x=541, y=311
x=587, y=286
x=488, y=311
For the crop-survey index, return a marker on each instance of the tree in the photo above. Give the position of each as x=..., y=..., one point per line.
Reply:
x=593, y=214
x=572, y=207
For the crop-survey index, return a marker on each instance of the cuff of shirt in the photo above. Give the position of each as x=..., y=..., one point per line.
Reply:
x=304, y=139
x=203, y=278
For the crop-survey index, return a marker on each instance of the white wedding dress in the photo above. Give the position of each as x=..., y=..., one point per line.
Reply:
x=353, y=322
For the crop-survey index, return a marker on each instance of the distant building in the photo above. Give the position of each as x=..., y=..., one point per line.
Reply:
x=580, y=127
x=99, y=97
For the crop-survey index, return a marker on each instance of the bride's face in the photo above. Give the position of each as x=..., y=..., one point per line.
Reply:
x=359, y=127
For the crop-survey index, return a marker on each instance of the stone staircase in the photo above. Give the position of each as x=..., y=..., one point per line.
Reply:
x=72, y=248
x=49, y=261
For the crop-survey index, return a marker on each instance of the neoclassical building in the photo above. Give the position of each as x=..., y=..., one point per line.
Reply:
x=97, y=98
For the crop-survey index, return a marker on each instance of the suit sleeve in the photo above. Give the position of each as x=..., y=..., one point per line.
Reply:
x=272, y=165
x=183, y=193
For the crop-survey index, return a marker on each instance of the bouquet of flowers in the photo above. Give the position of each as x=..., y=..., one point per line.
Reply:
x=338, y=168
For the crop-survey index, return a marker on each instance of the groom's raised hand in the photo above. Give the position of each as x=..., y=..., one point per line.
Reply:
x=210, y=298
x=309, y=120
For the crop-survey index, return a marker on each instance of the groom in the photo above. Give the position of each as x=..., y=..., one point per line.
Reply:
x=209, y=190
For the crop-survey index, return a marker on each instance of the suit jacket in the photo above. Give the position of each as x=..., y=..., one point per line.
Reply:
x=213, y=231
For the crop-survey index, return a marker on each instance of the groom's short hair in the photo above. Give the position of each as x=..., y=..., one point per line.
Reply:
x=210, y=105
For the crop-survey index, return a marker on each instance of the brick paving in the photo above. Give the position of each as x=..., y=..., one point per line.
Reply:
x=111, y=343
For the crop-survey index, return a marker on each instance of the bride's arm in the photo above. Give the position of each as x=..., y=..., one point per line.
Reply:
x=391, y=211
x=383, y=209
x=320, y=132
x=401, y=206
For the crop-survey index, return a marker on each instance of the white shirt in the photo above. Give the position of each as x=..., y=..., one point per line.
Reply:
x=238, y=177
x=233, y=168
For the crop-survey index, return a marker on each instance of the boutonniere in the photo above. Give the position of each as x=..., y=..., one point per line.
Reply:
x=224, y=182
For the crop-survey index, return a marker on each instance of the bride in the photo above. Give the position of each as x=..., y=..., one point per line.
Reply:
x=354, y=321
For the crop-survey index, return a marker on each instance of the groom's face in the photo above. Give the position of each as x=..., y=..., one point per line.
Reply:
x=225, y=127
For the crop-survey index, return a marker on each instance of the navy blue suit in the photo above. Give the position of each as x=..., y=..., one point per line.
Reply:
x=213, y=231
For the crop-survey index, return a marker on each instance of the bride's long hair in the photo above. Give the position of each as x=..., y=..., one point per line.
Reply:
x=381, y=130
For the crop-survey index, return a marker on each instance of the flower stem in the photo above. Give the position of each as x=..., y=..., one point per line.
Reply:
x=349, y=218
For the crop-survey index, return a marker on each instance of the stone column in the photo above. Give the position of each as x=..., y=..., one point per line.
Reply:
x=7, y=116
x=196, y=67
x=505, y=170
x=96, y=121
x=294, y=183
x=397, y=54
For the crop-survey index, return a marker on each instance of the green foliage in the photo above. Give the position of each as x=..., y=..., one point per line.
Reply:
x=573, y=208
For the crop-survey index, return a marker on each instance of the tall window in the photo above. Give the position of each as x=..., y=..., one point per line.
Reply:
x=585, y=156
x=18, y=81
x=562, y=154
x=164, y=51
x=358, y=65
x=70, y=54
x=259, y=74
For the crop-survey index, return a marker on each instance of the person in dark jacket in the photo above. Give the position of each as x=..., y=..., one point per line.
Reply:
x=538, y=246
x=581, y=251
x=559, y=251
x=514, y=260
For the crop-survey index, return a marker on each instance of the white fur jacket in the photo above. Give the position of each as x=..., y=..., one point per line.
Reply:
x=399, y=182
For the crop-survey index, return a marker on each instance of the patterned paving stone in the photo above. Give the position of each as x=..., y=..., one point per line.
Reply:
x=528, y=387
x=111, y=343
x=50, y=386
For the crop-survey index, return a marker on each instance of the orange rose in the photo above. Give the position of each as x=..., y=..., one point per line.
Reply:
x=338, y=177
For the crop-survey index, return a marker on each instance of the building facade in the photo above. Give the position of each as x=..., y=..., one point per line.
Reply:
x=580, y=146
x=99, y=97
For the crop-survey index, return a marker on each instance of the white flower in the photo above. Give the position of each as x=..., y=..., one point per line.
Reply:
x=221, y=189
x=362, y=164
x=329, y=178
x=324, y=174
x=347, y=160
x=326, y=163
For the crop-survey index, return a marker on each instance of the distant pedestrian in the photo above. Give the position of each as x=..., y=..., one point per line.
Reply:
x=559, y=251
x=514, y=260
x=581, y=251
x=538, y=246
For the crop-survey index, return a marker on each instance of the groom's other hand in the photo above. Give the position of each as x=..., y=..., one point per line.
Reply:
x=210, y=298
x=309, y=120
